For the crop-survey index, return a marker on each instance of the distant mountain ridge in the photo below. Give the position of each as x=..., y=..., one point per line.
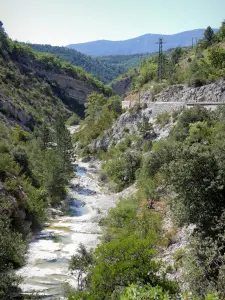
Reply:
x=142, y=44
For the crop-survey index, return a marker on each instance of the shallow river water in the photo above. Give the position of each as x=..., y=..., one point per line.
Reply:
x=46, y=268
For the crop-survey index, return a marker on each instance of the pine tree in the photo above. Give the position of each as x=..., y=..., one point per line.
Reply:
x=45, y=136
x=209, y=35
x=3, y=38
x=64, y=142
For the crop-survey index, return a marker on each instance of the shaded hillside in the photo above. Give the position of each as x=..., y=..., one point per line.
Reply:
x=102, y=69
x=142, y=44
x=33, y=86
x=124, y=62
x=123, y=83
x=35, y=147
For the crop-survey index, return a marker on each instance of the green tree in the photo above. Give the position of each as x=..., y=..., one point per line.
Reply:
x=195, y=177
x=12, y=250
x=94, y=106
x=209, y=36
x=205, y=261
x=220, y=35
x=80, y=263
x=45, y=135
x=114, y=104
x=216, y=57
x=64, y=144
x=176, y=55
x=115, y=258
x=188, y=116
x=3, y=38
x=200, y=132
x=122, y=169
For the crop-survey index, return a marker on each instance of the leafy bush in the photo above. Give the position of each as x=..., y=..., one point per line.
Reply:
x=73, y=120
x=122, y=169
x=163, y=119
x=129, y=243
x=204, y=263
x=156, y=89
x=135, y=291
x=188, y=116
x=12, y=250
x=100, y=114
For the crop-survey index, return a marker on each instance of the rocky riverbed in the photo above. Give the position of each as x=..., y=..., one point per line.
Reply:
x=46, y=268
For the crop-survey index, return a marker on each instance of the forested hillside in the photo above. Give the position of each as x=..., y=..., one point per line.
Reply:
x=176, y=161
x=125, y=62
x=26, y=76
x=102, y=69
x=38, y=93
x=194, y=66
x=106, y=68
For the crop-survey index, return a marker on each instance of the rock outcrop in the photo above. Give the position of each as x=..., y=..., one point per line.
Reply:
x=121, y=86
x=14, y=113
x=213, y=92
x=132, y=122
x=72, y=91
x=171, y=99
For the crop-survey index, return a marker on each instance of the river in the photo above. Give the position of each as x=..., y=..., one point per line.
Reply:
x=46, y=268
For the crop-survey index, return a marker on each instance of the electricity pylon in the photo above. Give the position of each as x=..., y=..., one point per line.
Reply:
x=160, y=59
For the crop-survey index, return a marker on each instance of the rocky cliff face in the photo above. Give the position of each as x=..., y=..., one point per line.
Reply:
x=133, y=122
x=72, y=91
x=121, y=86
x=213, y=92
x=12, y=113
x=33, y=88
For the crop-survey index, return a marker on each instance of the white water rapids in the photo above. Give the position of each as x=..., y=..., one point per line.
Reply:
x=47, y=258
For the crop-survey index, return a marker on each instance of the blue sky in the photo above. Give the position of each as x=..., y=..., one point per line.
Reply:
x=62, y=22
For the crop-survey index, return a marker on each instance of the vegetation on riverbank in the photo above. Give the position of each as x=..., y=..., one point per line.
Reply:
x=127, y=255
x=35, y=169
x=189, y=166
x=100, y=114
x=35, y=155
x=186, y=171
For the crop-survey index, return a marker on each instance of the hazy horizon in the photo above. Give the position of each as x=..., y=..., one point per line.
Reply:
x=63, y=22
x=159, y=33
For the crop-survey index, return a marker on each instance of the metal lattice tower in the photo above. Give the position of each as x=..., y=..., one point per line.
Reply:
x=160, y=59
x=194, y=41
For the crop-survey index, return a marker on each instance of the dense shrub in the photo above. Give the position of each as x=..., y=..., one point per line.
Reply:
x=33, y=174
x=130, y=243
x=122, y=169
x=100, y=114
x=73, y=120
x=163, y=119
